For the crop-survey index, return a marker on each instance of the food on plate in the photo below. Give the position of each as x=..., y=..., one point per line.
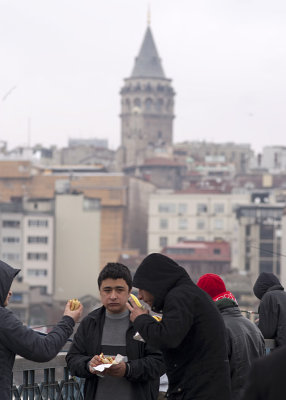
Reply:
x=107, y=359
x=74, y=304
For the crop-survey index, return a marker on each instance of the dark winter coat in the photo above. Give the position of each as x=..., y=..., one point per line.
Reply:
x=245, y=343
x=146, y=363
x=191, y=334
x=272, y=308
x=15, y=338
x=266, y=380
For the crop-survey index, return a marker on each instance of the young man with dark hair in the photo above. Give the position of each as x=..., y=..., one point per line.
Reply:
x=15, y=338
x=108, y=330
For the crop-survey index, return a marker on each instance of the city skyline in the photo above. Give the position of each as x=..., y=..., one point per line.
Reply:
x=64, y=63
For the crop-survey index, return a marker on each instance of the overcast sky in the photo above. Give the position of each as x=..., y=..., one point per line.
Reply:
x=62, y=64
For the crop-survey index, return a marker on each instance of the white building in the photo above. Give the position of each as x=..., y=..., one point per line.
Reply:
x=205, y=217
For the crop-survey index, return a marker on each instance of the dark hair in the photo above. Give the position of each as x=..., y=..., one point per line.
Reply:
x=115, y=271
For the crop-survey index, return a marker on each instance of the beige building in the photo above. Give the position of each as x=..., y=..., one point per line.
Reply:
x=174, y=217
x=77, y=250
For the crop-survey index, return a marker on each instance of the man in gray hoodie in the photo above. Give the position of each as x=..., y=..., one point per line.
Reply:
x=15, y=338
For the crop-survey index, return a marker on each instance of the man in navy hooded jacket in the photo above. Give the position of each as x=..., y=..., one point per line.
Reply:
x=15, y=338
x=191, y=334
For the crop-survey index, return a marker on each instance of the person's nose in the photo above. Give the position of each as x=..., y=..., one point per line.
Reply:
x=140, y=297
x=113, y=294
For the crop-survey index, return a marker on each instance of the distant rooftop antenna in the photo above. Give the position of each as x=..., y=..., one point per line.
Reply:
x=149, y=15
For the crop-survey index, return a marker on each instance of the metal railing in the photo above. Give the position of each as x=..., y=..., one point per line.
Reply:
x=45, y=381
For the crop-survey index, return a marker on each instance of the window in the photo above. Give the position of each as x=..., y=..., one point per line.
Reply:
x=182, y=223
x=218, y=224
x=265, y=266
x=167, y=208
x=37, y=272
x=38, y=239
x=266, y=232
x=163, y=224
x=182, y=209
x=200, y=224
x=93, y=204
x=163, y=241
x=11, y=256
x=37, y=256
x=218, y=208
x=10, y=223
x=11, y=239
x=248, y=230
x=266, y=250
x=16, y=297
x=217, y=251
x=202, y=208
x=38, y=222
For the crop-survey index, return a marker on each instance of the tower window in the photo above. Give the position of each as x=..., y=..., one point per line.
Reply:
x=148, y=104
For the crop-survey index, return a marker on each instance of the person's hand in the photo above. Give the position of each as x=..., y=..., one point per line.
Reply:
x=116, y=370
x=94, y=362
x=135, y=311
x=75, y=314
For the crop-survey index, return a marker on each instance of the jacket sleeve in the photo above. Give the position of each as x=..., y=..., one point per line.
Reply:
x=268, y=316
x=176, y=322
x=77, y=357
x=29, y=344
x=150, y=367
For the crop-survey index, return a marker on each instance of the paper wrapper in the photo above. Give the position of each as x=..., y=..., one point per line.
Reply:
x=137, y=336
x=102, y=367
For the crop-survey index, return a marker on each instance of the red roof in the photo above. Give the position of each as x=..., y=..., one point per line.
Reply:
x=199, y=251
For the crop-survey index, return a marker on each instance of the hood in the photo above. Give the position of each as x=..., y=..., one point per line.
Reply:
x=158, y=274
x=7, y=274
x=264, y=282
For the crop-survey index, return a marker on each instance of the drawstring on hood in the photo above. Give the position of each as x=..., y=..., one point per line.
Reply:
x=7, y=274
x=265, y=282
x=158, y=274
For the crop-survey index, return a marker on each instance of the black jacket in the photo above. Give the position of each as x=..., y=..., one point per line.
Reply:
x=146, y=363
x=245, y=343
x=272, y=308
x=15, y=338
x=266, y=380
x=191, y=334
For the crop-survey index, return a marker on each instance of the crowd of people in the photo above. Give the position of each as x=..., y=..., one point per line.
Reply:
x=201, y=347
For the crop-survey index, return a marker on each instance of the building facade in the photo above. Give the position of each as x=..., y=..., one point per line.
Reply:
x=176, y=217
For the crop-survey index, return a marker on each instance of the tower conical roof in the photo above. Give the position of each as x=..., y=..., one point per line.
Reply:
x=148, y=62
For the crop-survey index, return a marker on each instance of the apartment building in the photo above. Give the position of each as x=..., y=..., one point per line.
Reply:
x=38, y=244
x=11, y=234
x=27, y=240
x=175, y=217
x=260, y=234
x=199, y=258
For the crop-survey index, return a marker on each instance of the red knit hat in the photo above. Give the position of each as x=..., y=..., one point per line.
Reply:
x=215, y=287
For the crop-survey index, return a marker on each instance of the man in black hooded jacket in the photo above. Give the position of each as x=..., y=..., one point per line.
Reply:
x=272, y=308
x=15, y=338
x=191, y=333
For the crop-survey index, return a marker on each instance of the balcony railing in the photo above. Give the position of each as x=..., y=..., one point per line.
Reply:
x=45, y=381
x=52, y=381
